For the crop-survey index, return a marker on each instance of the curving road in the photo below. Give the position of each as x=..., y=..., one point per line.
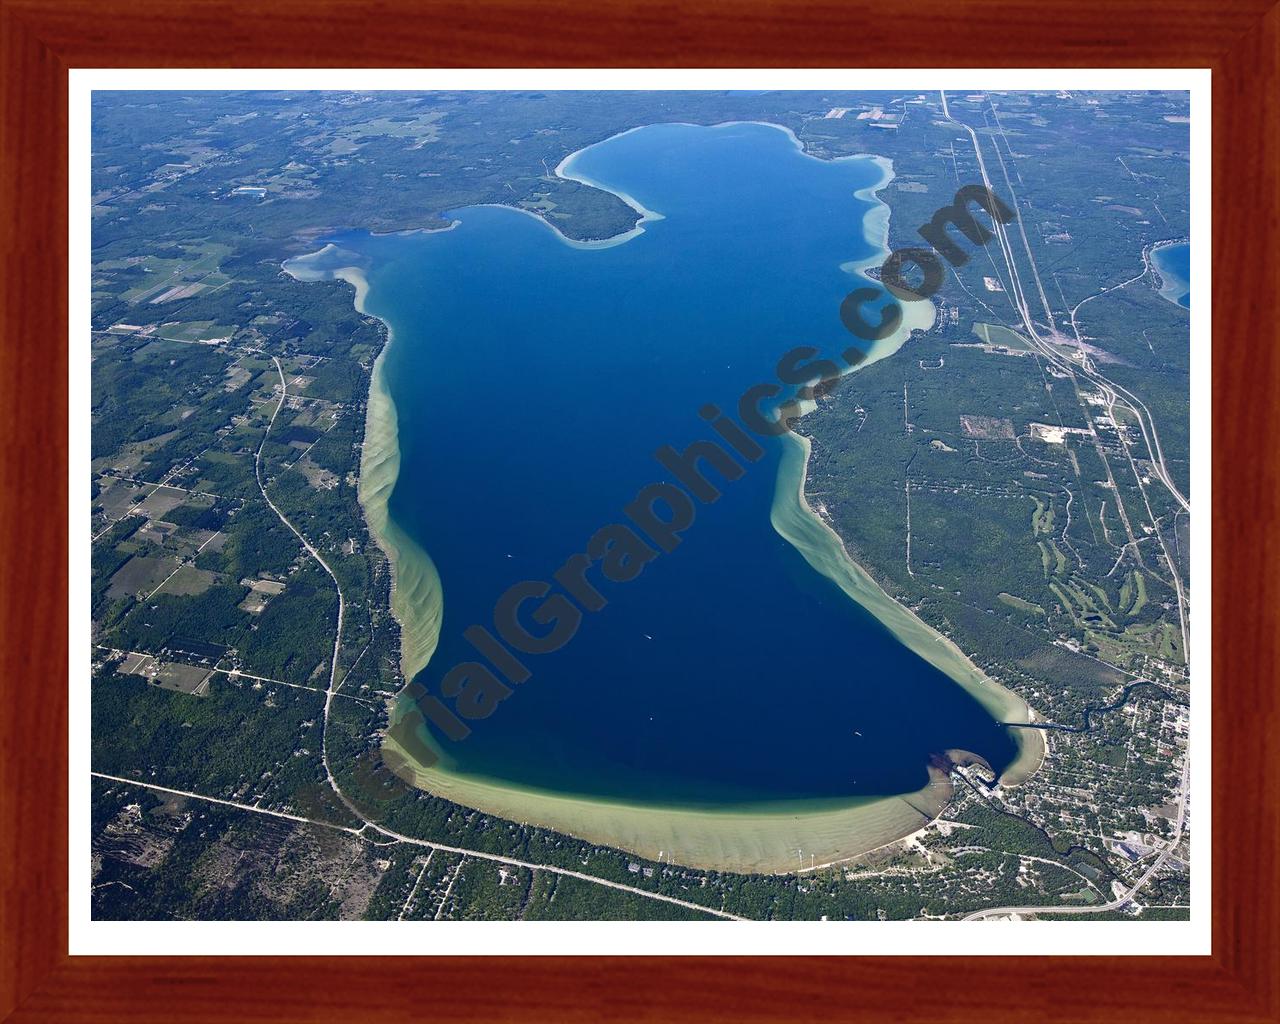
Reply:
x=337, y=639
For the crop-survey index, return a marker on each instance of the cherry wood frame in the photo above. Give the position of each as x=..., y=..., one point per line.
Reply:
x=41, y=39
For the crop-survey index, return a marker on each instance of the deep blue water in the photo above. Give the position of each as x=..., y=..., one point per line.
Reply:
x=533, y=383
x=1174, y=264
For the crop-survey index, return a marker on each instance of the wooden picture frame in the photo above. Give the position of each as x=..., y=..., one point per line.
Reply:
x=42, y=39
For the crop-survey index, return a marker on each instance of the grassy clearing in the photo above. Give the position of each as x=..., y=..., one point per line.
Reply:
x=140, y=575
x=145, y=278
x=1126, y=591
x=189, y=581
x=1060, y=559
x=994, y=334
x=1041, y=518
x=1020, y=604
x=207, y=331
x=1140, y=601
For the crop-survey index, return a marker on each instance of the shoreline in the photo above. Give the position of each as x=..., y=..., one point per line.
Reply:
x=417, y=593
x=825, y=550
x=1171, y=286
x=750, y=838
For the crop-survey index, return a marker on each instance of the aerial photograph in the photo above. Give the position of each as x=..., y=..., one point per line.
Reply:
x=640, y=505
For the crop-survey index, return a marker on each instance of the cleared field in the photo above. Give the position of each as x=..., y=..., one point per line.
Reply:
x=167, y=675
x=253, y=602
x=189, y=580
x=146, y=278
x=134, y=664
x=179, y=291
x=161, y=502
x=269, y=587
x=990, y=428
x=141, y=575
x=117, y=498
x=994, y=334
x=207, y=331
x=170, y=675
x=205, y=540
x=1019, y=603
x=422, y=128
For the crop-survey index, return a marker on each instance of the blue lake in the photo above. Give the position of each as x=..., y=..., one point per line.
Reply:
x=1174, y=264
x=533, y=382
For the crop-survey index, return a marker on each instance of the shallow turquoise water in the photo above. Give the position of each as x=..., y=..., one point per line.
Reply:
x=1174, y=264
x=534, y=382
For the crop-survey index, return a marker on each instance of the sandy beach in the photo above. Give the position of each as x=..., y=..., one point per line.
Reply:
x=417, y=596
x=761, y=838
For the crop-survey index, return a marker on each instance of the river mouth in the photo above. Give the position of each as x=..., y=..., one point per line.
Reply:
x=744, y=696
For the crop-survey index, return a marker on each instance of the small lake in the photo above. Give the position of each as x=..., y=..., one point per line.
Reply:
x=533, y=381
